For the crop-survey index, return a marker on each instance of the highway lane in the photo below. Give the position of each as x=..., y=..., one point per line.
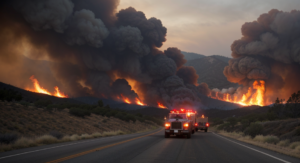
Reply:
x=146, y=147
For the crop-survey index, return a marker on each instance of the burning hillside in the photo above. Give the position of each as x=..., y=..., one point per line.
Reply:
x=93, y=50
x=38, y=89
x=266, y=59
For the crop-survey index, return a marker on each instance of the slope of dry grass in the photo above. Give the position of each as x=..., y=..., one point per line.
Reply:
x=270, y=142
x=32, y=121
x=33, y=125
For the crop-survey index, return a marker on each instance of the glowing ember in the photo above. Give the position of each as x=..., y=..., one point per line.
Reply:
x=139, y=102
x=160, y=105
x=39, y=89
x=254, y=96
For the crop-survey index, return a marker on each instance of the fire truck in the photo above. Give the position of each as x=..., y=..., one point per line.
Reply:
x=180, y=122
x=202, y=123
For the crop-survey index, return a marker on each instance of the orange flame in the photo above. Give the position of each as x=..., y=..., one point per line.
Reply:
x=125, y=99
x=39, y=89
x=250, y=98
x=160, y=105
x=139, y=102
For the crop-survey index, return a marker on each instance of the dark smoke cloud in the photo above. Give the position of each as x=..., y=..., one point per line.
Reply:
x=47, y=14
x=188, y=74
x=93, y=50
x=153, y=30
x=176, y=55
x=85, y=28
x=269, y=50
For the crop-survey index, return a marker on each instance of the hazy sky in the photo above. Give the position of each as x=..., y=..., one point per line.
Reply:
x=206, y=26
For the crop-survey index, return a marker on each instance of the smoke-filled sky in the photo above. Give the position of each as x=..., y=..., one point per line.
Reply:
x=206, y=26
x=106, y=48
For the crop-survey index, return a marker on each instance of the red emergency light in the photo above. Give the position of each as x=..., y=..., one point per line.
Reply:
x=182, y=111
x=207, y=124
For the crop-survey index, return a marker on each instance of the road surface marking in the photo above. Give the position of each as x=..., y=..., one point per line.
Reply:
x=253, y=149
x=67, y=145
x=98, y=149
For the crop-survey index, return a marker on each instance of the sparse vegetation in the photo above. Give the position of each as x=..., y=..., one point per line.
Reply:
x=254, y=129
x=21, y=123
x=269, y=141
x=10, y=95
x=24, y=142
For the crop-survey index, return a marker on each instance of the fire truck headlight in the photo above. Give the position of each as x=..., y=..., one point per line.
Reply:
x=167, y=125
x=186, y=125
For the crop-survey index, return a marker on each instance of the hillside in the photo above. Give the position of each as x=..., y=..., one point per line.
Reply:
x=32, y=96
x=190, y=56
x=32, y=121
x=210, y=70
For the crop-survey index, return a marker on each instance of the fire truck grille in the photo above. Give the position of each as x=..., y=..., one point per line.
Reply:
x=176, y=125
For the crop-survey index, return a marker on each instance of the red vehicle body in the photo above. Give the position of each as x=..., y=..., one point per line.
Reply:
x=180, y=122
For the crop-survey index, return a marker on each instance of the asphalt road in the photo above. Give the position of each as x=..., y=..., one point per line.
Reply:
x=149, y=147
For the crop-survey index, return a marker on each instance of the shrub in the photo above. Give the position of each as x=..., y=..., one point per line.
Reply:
x=217, y=121
x=113, y=133
x=75, y=137
x=86, y=136
x=79, y=112
x=66, y=138
x=100, y=103
x=271, y=139
x=24, y=103
x=46, y=139
x=232, y=121
x=259, y=138
x=104, y=120
x=129, y=117
x=245, y=123
x=56, y=134
x=96, y=135
x=298, y=148
x=140, y=119
x=42, y=103
x=24, y=142
x=294, y=144
x=8, y=138
x=284, y=143
x=253, y=130
x=223, y=126
x=139, y=115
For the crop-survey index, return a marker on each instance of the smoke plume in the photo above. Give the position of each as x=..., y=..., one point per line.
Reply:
x=90, y=49
x=270, y=51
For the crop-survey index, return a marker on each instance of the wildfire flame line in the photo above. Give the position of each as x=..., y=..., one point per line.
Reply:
x=249, y=98
x=39, y=89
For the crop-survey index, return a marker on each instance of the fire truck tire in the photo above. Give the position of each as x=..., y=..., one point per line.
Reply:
x=196, y=129
x=188, y=135
x=193, y=131
x=205, y=130
x=167, y=135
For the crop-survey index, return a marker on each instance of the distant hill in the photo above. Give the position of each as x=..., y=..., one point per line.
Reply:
x=190, y=56
x=210, y=70
x=222, y=58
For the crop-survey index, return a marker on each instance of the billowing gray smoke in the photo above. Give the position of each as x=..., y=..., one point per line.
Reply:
x=269, y=50
x=93, y=50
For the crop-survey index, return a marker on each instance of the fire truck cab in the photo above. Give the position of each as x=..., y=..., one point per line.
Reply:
x=180, y=122
x=202, y=123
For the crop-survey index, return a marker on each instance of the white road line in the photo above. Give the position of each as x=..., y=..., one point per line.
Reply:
x=68, y=145
x=253, y=149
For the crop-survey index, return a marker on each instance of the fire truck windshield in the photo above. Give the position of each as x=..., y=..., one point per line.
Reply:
x=177, y=116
